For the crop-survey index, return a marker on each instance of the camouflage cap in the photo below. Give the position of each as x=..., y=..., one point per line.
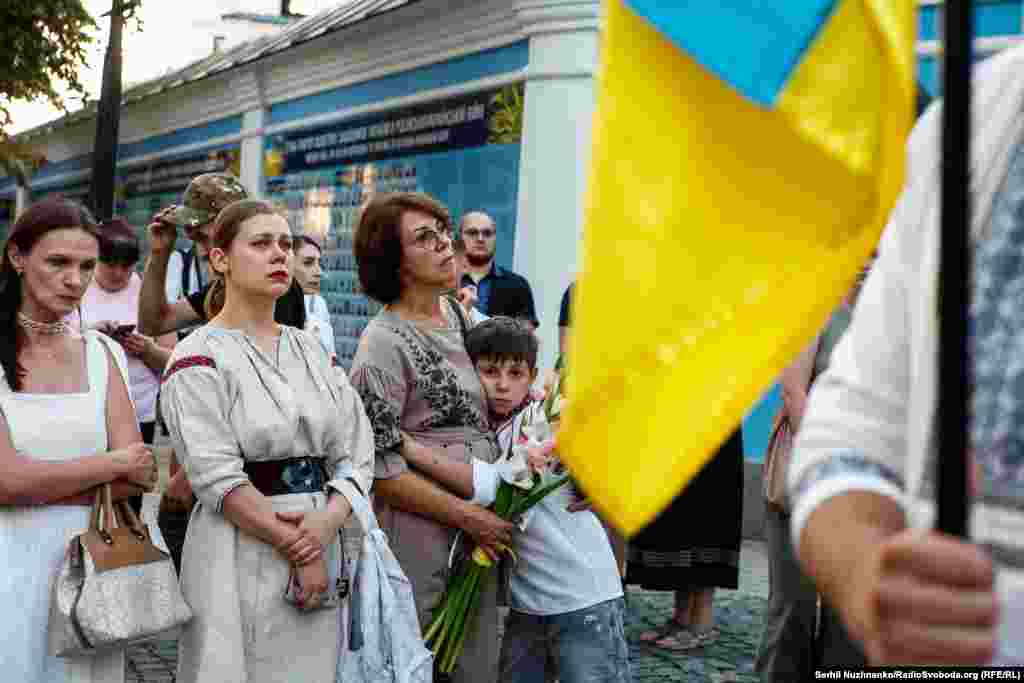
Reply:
x=204, y=197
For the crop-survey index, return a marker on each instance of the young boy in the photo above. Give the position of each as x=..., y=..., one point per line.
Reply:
x=565, y=592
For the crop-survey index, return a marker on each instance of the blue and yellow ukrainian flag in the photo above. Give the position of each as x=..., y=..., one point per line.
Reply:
x=746, y=154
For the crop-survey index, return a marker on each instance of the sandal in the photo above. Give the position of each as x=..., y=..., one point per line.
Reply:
x=687, y=639
x=668, y=629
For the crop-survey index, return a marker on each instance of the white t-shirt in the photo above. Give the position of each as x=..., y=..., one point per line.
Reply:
x=565, y=561
x=123, y=307
x=318, y=322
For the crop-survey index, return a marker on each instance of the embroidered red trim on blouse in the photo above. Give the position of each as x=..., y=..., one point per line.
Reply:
x=188, y=362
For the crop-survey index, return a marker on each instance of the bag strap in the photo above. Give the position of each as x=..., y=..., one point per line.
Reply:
x=457, y=307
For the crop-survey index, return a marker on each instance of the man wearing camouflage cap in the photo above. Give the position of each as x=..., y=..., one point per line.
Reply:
x=204, y=198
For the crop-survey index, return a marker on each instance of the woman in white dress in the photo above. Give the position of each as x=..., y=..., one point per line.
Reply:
x=307, y=271
x=267, y=429
x=67, y=426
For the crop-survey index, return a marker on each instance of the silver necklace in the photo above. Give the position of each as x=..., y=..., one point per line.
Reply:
x=44, y=329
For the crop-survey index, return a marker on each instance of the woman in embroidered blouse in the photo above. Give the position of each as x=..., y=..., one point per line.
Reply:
x=414, y=376
x=266, y=427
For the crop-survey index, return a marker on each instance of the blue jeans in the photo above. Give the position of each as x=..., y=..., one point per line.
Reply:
x=588, y=646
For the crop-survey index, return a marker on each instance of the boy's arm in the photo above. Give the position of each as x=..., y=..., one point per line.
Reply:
x=476, y=481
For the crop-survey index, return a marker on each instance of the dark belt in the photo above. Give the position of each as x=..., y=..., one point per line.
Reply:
x=294, y=475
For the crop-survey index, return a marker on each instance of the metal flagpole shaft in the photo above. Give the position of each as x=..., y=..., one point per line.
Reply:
x=954, y=275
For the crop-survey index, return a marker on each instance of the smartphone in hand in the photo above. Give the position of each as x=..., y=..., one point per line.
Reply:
x=123, y=330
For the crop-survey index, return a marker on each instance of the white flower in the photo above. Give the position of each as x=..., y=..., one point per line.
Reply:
x=515, y=471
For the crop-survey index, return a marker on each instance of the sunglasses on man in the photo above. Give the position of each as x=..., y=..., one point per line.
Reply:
x=479, y=234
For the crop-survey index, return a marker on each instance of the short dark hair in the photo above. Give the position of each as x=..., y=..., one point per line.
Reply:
x=378, y=242
x=118, y=242
x=502, y=338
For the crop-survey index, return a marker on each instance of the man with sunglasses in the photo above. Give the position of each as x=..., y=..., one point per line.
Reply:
x=499, y=291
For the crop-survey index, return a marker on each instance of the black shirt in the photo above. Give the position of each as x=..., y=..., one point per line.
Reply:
x=502, y=292
x=290, y=309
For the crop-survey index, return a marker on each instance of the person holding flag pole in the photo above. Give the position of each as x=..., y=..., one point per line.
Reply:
x=777, y=188
x=917, y=421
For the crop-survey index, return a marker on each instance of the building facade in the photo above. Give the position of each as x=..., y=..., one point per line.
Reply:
x=485, y=104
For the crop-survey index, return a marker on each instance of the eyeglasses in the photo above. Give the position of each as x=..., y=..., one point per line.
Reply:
x=433, y=239
x=475, y=234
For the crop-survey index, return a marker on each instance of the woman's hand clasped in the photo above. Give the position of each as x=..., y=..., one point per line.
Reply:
x=312, y=582
x=136, y=463
x=316, y=530
x=322, y=525
x=301, y=548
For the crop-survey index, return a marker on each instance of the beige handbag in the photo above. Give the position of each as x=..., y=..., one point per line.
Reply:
x=115, y=588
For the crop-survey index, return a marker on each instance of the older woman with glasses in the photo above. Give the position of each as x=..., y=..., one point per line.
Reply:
x=415, y=377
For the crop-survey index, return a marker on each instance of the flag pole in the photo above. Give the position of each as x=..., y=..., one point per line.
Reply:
x=954, y=276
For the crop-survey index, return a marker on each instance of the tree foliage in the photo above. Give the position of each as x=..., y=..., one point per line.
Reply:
x=43, y=43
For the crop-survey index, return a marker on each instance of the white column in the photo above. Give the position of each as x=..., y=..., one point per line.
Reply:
x=555, y=153
x=250, y=87
x=252, y=152
x=21, y=200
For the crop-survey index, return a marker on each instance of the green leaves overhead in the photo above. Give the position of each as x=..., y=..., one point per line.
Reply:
x=42, y=43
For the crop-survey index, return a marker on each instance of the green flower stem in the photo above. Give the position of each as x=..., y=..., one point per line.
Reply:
x=435, y=624
x=439, y=643
x=537, y=495
x=458, y=637
x=465, y=605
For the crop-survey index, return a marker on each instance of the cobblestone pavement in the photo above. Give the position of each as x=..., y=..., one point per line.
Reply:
x=738, y=616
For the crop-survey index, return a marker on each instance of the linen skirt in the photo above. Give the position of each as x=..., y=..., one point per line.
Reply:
x=243, y=631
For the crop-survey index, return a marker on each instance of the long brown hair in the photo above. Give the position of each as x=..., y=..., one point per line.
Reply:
x=225, y=230
x=52, y=213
